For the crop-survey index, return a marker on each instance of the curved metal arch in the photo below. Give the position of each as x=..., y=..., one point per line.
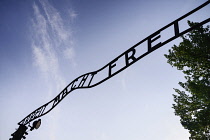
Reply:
x=129, y=56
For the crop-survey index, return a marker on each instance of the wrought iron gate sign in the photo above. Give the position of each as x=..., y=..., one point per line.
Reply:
x=126, y=59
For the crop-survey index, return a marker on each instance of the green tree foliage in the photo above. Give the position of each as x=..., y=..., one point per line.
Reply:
x=192, y=57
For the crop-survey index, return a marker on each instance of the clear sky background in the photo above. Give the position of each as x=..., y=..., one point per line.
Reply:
x=46, y=44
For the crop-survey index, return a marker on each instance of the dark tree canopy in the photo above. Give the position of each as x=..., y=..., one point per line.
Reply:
x=192, y=57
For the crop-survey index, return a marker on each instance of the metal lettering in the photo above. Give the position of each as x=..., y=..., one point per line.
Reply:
x=92, y=74
x=176, y=28
x=151, y=39
x=112, y=64
x=56, y=100
x=64, y=93
x=74, y=86
x=128, y=61
x=132, y=57
x=82, y=82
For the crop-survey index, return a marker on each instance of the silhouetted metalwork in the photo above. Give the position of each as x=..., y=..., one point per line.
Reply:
x=130, y=56
x=19, y=133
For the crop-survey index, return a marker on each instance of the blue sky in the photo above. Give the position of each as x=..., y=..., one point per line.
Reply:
x=46, y=44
